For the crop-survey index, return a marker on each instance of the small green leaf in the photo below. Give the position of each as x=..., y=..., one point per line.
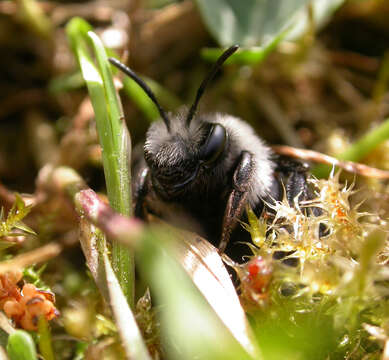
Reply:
x=32, y=275
x=23, y=227
x=18, y=211
x=21, y=346
x=249, y=56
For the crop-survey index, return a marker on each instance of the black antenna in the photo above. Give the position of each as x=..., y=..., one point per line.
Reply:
x=223, y=57
x=144, y=86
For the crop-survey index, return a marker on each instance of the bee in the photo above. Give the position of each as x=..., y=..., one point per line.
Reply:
x=208, y=168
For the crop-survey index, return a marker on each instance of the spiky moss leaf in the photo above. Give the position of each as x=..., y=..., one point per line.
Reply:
x=14, y=219
x=337, y=285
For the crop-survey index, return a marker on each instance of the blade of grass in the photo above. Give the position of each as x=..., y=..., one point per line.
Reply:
x=113, y=136
x=202, y=262
x=128, y=329
x=94, y=247
x=359, y=149
x=119, y=193
x=144, y=103
x=141, y=100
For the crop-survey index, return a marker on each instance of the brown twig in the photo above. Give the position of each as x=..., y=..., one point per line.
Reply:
x=318, y=157
x=42, y=254
x=354, y=60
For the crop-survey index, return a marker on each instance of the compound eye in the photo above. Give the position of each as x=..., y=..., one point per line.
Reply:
x=214, y=144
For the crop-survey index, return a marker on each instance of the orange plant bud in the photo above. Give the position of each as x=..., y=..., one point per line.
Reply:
x=29, y=290
x=13, y=309
x=25, y=306
x=27, y=322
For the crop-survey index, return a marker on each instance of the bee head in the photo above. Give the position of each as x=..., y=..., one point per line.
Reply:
x=176, y=157
x=177, y=150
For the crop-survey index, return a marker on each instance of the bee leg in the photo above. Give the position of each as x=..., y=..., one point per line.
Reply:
x=297, y=185
x=140, y=193
x=237, y=198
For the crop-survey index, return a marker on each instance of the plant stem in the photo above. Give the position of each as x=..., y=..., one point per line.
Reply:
x=45, y=341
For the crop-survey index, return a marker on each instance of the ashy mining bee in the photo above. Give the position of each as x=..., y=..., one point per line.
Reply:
x=207, y=168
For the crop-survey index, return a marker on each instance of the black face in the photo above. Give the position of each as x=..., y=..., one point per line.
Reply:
x=171, y=180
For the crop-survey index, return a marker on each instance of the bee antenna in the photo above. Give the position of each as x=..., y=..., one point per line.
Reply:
x=223, y=57
x=125, y=69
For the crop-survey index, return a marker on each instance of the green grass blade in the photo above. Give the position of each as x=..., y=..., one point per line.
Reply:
x=96, y=253
x=113, y=137
x=144, y=103
x=116, y=166
x=141, y=100
x=128, y=329
x=112, y=133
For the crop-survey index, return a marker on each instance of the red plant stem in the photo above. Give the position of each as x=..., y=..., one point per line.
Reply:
x=118, y=227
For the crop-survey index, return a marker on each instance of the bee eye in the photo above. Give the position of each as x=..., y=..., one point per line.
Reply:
x=214, y=144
